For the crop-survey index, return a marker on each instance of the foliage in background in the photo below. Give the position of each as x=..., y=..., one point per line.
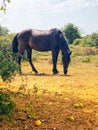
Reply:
x=3, y=6
x=8, y=65
x=7, y=69
x=6, y=39
x=89, y=40
x=72, y=32
x=6, y=106
x=3, y=31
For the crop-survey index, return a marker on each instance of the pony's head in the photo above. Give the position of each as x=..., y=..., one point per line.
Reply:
x=66, y=60
x=66, y=53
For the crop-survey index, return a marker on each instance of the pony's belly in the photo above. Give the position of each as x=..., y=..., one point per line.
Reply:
x=42, y=50
x=40, y=47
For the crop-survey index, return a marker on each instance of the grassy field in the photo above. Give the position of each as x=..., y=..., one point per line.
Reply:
x=60, y=102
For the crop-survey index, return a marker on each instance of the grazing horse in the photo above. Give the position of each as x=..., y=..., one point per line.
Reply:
x=42, y=40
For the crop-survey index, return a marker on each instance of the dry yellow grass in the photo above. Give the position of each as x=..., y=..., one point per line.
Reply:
x=81, y=80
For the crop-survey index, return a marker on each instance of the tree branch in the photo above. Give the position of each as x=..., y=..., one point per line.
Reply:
x=3, y=6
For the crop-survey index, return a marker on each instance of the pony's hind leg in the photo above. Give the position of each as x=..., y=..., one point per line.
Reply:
x=19, y=62
x=29, y=55
x=21, y=49
x=20, y=55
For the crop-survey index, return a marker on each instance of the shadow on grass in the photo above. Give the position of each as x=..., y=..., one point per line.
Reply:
x=44, y=74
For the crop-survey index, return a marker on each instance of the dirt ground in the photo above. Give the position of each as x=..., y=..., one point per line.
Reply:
x=60, y=102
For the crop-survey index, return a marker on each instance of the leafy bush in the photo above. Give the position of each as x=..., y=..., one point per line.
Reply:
x=3, y=30
x=6, y=106
x=7, y=69
x=85, y=59
x=72, y=32
x=89, y=40
x=6, y=39
x=8, y=66
x=95, y=39
x=77, y=41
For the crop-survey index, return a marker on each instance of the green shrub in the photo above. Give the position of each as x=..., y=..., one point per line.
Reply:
x=77, y=41
x=86, y=59
x=6, y=106
x=3, y=30
x=89, y=40
x=7, y=69
x=6, y=39
x=95, y=38
x=8, y=66
x=72, y=32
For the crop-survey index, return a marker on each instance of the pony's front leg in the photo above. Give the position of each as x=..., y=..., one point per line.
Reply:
x=29, y=55
x=54, y=60
x=33, y=68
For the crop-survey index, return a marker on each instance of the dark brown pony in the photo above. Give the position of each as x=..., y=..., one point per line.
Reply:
x=42, y=40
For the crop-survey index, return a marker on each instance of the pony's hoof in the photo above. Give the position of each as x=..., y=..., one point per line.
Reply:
x=36, y=72
x=55, y=73
x=65, y=72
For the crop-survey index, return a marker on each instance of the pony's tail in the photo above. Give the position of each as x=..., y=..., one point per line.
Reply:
x=15, y=44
